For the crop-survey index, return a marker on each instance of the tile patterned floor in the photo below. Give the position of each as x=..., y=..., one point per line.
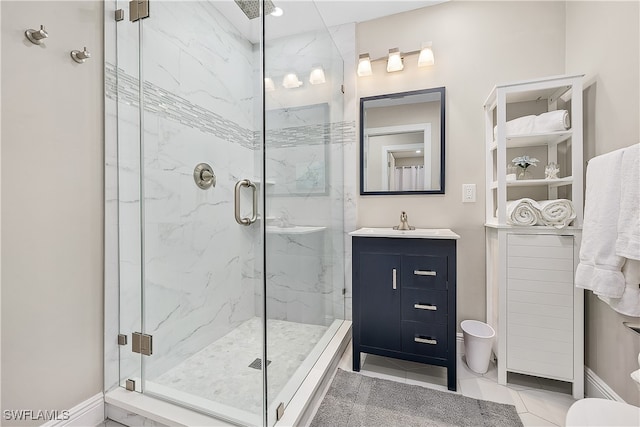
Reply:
x=539, y=402
x=220, y=372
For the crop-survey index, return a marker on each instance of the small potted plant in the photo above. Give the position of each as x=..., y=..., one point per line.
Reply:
x=523, y=162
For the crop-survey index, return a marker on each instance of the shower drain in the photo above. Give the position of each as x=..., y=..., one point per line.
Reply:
x=257, y=364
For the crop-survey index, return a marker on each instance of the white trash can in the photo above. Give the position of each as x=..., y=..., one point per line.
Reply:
x=478, y=341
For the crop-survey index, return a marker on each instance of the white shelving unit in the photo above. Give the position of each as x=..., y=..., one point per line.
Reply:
x=532, y=302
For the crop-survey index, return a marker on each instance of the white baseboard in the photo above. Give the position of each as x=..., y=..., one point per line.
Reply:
x=87, y=413
x=596, y=387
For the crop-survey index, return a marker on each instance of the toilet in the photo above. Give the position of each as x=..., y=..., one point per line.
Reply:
x=602, y=412
x=478, y=340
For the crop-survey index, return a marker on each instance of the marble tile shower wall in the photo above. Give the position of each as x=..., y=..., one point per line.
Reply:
x=305, y=188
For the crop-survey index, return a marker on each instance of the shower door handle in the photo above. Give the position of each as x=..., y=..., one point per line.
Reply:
x=254, y=214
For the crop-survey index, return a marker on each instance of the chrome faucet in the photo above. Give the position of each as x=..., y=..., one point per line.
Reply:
x=404, y=224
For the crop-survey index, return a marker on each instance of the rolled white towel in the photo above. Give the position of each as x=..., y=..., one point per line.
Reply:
x=553, y=121
x=557, y=213
x=522, y=212
x=520, y=126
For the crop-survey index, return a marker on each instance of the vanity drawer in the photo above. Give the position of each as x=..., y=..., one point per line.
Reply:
x=422, y=305
x=424, y=272
x=424, y=339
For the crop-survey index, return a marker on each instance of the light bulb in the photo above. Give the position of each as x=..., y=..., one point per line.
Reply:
x=364, y=65
x=426, y=55
x=291, y=81
x=317, y=75
x=394, y=63
x=268, y=85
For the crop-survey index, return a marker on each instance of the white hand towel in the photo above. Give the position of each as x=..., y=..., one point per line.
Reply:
x=629, y=303
x=557, y=213
x=522, y=212
x=628, y=242
x=552, y=121
x=599, y=267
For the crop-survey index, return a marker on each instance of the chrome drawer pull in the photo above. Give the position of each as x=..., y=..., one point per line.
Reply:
x=425, y=340
x=425, y=307
x=424, y=273
x=394, y=279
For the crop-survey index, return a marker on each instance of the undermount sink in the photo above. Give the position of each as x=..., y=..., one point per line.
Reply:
x=422, y=233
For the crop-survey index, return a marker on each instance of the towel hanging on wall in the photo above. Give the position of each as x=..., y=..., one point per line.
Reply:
x=611, y=210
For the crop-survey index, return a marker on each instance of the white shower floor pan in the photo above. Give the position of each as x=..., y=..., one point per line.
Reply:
x=177, y=385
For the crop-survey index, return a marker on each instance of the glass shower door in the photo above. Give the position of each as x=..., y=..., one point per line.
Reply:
x=202, y=263
x=304, y=271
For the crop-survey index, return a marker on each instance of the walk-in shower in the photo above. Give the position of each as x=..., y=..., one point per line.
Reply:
x=224, y=202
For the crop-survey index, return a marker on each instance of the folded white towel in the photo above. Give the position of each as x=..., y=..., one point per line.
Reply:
x=599, y=267
x=522, y=212
x=628, y=241
x=557, y=213
x=629, y=303
x=552, y=121
x=520, y=126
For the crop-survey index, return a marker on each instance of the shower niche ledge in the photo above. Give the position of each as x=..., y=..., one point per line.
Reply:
x=294, y=230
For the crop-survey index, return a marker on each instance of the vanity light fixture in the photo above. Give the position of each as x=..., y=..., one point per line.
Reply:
x=364, y=65
x=394, y=63
x=395, y=59
x=269, y=86
x=426, y=55
x=317, y=75
x=291, y=81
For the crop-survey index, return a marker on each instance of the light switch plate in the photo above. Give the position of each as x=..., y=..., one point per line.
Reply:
x=468, y=193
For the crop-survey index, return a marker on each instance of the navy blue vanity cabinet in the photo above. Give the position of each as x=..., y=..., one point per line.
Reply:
x=404, y=300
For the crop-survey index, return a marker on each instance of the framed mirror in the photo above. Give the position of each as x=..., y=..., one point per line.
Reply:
x=402, y=143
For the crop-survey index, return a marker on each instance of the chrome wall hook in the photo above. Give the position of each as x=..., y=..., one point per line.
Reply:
x=79, y=56
x=36, y=36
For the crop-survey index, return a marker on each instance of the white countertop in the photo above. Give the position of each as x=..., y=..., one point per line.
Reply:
x=418, y=233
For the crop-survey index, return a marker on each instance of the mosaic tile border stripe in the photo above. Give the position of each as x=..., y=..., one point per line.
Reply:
x=122, y=87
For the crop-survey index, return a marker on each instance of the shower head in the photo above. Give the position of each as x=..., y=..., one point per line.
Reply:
x=251, y=8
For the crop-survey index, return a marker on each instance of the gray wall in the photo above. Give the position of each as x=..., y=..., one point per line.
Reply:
x=476, y=45
x=52, y=206
x=602, y=40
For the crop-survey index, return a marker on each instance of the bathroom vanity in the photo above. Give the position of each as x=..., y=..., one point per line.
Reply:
x=404, y=296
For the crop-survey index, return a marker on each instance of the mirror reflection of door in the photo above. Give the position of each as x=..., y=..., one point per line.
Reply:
x=396, y=157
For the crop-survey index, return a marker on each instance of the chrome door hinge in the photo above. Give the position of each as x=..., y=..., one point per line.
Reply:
x=130, y=385
x=138, y=9
x=122, y=339
x=280, y=411
x=119, y=15
x=142, y=343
